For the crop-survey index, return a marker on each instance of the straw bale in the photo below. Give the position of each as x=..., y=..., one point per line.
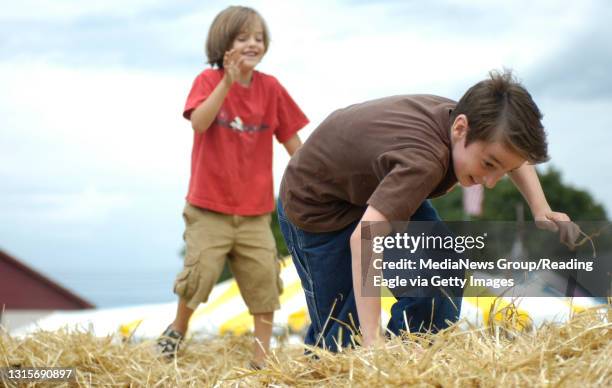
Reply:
x=578, y=352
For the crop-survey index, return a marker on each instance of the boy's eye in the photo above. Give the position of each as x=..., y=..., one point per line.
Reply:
x=488, y=164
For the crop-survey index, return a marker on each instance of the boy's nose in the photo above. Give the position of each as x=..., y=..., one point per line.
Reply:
x=491, y=180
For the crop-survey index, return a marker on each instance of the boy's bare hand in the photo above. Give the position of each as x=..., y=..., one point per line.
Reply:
x=373, y=340
x=232, y=62
x=557, y=221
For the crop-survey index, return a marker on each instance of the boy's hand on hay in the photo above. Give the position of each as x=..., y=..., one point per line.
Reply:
x=559, y=222
x=372, y=341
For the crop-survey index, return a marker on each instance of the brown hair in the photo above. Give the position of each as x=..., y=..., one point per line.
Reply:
x=228, y=24
x=500, y=108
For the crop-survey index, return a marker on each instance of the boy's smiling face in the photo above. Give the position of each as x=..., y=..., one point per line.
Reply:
x=250, y=44
x=480, y=162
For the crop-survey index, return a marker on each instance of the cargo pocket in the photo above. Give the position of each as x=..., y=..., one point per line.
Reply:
x=186, y=281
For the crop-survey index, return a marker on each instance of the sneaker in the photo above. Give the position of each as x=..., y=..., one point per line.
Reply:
x=168, y=343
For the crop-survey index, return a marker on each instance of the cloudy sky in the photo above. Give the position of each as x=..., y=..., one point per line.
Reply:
x=94, y=153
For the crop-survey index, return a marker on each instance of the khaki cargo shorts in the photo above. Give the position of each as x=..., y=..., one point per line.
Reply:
x=247, y=242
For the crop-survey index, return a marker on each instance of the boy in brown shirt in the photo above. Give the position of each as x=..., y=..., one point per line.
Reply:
x=380, y=161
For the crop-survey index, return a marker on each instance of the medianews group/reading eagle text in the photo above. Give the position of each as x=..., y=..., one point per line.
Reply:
x=502, y=264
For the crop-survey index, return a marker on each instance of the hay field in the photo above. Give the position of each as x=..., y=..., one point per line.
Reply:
x=576, y=353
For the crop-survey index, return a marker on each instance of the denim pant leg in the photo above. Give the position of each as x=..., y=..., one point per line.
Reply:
x=416, y=314
x=323, y=262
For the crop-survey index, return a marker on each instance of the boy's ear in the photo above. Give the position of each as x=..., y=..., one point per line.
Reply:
x=460, y=126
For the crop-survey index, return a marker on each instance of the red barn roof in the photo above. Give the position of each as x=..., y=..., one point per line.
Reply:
x=23, y=288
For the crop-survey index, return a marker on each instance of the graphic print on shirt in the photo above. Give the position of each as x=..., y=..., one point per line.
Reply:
x=236, y=124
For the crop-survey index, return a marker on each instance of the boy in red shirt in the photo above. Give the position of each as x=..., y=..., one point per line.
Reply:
x=235, y=111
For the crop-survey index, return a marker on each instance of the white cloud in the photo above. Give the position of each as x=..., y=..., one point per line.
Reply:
x=579, y=139
x=90, y=206
x=66, y=10
x=61, y=215
x=65, y=122
x=112, y=126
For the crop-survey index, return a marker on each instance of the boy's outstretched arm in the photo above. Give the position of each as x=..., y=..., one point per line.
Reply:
x=526, y=180
x=368, y=307
x=293, y=144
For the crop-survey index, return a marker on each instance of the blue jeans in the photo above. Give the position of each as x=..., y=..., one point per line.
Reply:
x=323, y=262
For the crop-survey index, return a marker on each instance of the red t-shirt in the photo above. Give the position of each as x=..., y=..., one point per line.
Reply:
x=231, y=162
